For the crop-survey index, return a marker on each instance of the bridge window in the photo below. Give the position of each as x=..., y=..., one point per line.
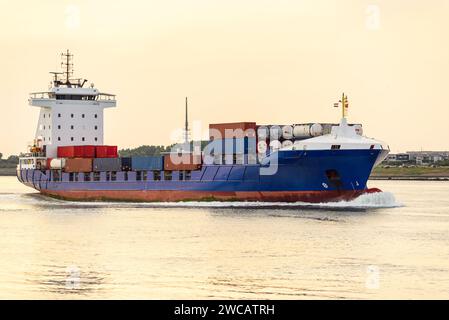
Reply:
x=82, y=138
x=59, y=126
x=74, y=97
x=96, y=138
x=71, y=139
x=59, y=115
x=335, y=147
x=96, y=127
x=95, y=116
x=59, y=138
x=71, y=116
x=82, y=116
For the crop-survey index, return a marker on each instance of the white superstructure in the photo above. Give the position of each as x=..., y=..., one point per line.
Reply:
x=69, y=113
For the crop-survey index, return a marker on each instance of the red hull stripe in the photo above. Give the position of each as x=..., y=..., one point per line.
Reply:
x=172, y=196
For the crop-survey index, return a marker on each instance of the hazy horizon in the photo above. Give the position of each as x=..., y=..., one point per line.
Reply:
x=272, y=62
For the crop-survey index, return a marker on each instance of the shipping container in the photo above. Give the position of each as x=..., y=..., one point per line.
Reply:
x=101, y=151
x=112, y=151
x=89, y=151
x=78, y=165
x=148, y=163
x=106, y=164
x=185, y=161
x=76, y=152
x=126, y=164
x=232, y=130
x=231, y=146
x=106, y=151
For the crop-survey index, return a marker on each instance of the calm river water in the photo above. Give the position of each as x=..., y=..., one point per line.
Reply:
x=389, y=245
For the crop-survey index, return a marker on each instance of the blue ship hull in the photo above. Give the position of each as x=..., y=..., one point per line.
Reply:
x=300, y=176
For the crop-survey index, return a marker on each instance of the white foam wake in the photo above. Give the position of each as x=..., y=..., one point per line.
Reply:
x=365, y=201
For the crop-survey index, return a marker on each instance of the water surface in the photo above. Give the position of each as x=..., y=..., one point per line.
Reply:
x=390, y=245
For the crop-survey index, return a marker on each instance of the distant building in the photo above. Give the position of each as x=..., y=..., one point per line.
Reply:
x=418, y=157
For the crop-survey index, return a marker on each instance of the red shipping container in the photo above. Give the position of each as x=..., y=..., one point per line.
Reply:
x=101, y=151
x=65, y=152
x=112, y=152
x=106, y=151
x=89, y=151
x=232, y=130
x=76, y=152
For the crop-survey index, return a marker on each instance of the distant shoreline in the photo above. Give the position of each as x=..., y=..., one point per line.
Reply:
x=409, y=178
x=7, y=172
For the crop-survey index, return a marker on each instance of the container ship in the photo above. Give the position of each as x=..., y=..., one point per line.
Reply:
x=242, y=161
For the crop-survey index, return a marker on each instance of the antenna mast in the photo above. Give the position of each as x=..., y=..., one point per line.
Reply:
x=186, y=137
x=68, y=66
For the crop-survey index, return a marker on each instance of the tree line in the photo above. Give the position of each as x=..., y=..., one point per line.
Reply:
x=9, y=162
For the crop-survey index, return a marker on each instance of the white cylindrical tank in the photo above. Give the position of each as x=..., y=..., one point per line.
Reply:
x=275, y=132
x=316, y=129
x=301, y=131
x=262, y=132
x=287, y=143
x=262, y=146
x=296, y=144
x=275, y=145
x=358, y=129
x=57, y=163
x=287, y=132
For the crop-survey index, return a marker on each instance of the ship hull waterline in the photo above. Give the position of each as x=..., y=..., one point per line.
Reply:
x=184, y=196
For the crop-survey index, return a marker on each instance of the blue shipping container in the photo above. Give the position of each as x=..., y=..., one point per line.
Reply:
x=231, y=146
x=148, y=163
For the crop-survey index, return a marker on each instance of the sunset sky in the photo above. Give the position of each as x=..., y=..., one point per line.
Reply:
x=268, y=61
